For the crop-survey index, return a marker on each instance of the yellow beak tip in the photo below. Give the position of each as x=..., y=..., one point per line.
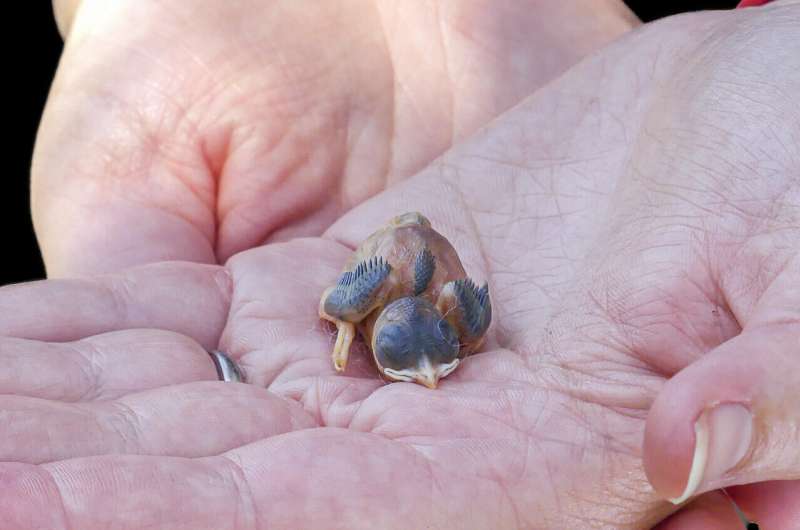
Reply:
x=430, y=383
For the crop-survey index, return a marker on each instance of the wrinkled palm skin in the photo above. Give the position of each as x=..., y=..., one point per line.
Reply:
x=197, y=130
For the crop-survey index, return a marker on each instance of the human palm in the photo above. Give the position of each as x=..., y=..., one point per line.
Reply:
x=503, y=443
x=597, y=304
x=192, y=131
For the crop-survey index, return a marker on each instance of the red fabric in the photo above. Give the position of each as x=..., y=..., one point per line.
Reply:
x=751, y=3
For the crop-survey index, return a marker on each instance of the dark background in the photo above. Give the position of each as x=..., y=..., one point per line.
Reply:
x=37, y=64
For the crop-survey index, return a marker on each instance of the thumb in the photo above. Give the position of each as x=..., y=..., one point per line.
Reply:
x=733, y=417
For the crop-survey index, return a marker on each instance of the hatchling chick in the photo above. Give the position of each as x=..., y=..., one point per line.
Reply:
x=406, y=292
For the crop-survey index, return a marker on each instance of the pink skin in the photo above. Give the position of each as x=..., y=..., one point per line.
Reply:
x=772, y=504
x=617, y=259
x=196, y=130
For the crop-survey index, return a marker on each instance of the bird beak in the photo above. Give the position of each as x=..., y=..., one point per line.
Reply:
x=427, y=375
x=428, y=379
x=424, y=374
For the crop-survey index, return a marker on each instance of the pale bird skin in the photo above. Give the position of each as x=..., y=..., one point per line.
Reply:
x=406, y=292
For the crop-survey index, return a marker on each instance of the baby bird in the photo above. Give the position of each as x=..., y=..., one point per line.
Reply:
x=406, y=292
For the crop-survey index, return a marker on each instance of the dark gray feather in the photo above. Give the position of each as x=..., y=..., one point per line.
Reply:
x=356, y=290
x=476, y=307
x=424, y=267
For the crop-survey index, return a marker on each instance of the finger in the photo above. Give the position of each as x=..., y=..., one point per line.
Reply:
x=192, y=420
x=770, y=505
x=102, y=367
x=732, y=417
x=712, y=511
x=364, y=481
x=773, y=505
x=186, y=298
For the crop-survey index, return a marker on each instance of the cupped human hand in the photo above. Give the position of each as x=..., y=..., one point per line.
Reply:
x=639, y=233
x=192, y=131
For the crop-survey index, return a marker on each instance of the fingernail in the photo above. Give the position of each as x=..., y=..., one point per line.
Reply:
x=722, y=438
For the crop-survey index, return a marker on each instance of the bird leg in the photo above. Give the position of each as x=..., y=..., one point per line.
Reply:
x=344, y=338
x=345, y=333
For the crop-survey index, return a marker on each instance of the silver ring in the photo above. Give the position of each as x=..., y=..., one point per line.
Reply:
x=227, y=370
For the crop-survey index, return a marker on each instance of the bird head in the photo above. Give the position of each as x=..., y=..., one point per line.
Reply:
x=413, y=342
